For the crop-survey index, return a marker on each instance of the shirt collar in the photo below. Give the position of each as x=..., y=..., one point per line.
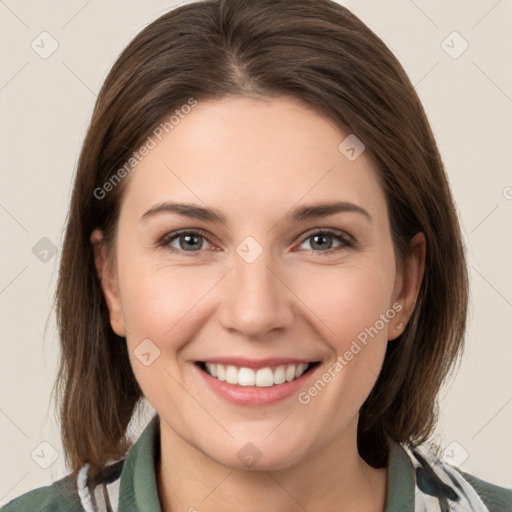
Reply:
x=401, y=483
x=139, y=491
x=138, y=488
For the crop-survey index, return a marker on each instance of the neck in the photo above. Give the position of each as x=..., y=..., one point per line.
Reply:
x=334, y=477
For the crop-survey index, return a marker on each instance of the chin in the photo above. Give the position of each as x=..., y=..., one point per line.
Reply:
x=253, y=457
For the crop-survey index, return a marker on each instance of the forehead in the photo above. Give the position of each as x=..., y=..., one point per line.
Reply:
x=248, y=155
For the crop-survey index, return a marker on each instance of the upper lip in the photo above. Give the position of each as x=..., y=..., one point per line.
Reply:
x=243, y=362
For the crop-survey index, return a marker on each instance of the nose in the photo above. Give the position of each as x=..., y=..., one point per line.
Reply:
x=255, y=298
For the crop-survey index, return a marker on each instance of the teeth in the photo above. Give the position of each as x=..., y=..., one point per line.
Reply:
x=246, y=377
x=290, y=373
x=262, y=378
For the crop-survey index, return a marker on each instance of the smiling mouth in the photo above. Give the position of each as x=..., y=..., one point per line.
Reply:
x=260, y=378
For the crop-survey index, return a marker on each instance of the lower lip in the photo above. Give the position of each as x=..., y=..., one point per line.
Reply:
x=252, y=395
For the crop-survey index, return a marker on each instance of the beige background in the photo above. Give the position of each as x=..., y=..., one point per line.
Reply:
x=46, y=105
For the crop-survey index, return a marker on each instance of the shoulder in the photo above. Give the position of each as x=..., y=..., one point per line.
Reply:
x=495, y=497
x=60, y=495
x=71, y=493
x=436, y=477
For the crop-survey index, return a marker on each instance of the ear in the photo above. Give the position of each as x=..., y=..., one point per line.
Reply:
x=109, y=284
x=408, y=283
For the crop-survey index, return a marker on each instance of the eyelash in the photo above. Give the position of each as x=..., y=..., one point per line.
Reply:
x=345, y=240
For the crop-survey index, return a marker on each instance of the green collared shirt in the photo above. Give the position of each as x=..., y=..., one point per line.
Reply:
x=417, y=481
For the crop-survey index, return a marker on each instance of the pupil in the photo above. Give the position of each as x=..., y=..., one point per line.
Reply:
x=315, y=237
x=188, y=238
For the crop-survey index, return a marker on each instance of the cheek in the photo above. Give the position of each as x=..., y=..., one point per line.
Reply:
x=161, y=305
x=156, y=301
x=354, y=313
x=159, y=300
x=349, y=300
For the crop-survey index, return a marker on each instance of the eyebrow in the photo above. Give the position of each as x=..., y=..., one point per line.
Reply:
x=213, y=215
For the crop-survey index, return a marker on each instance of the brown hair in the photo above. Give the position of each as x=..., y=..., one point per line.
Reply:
x=320, y=53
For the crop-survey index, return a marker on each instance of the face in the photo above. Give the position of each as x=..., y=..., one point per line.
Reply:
x=270, y=286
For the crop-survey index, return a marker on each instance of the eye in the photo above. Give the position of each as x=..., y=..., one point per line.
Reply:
x=323, y=240
x=193, y=241
x=185, y=241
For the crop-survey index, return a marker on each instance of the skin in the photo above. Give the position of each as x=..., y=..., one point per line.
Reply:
x=255, y=159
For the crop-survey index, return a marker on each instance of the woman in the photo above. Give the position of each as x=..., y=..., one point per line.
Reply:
x=263, y=244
